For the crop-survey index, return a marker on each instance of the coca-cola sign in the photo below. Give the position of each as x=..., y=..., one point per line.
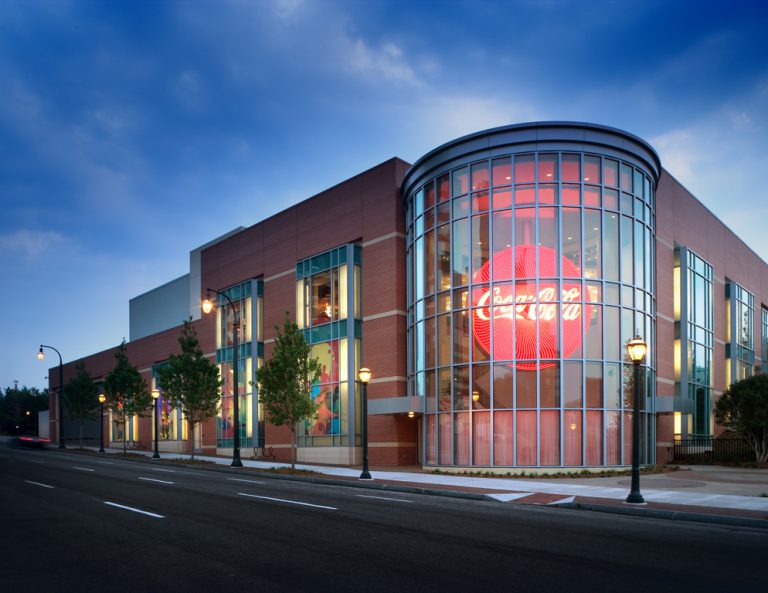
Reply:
x=517, y=305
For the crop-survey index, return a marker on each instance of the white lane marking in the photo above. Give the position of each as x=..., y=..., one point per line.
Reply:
x=85, y=469
x=160, y=469
x=120, y=506
x=246, y=481
x=38, y=484
x=383, y=498
x=106, y=462
x=154, y=480
x=305, y=504
x=567, y=500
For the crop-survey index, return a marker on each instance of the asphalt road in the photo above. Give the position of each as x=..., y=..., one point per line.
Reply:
x=81, y=523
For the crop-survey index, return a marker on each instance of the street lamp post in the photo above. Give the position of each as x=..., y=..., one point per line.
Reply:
x=207, y=308
x=102, y=399
x=636, y=349
x=156, y=396
x=59, y=395
x=365, y=376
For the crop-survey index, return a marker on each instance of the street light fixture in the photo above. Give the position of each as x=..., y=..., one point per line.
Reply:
x=59, y=395
x=102, y=399
x=636, y=348
x=207, y=308
x=364, y=375
x=156, y=397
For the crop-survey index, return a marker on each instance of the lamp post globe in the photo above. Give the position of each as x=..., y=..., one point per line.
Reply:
x=636, y=348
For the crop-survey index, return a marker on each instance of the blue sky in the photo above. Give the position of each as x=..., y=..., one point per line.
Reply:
x=133, y=132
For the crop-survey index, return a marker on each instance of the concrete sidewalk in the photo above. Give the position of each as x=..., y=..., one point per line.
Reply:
x=724, y=494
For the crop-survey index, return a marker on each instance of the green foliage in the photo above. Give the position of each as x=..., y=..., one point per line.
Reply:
x=190, y=381
x=81, y=397
x=285, y=381
x=127, y=393
x=744, y=408
x=15, y=402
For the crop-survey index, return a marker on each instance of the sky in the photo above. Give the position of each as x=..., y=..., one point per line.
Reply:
x=132, y=132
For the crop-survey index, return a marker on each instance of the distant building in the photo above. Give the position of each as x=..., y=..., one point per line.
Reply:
x=491, y=288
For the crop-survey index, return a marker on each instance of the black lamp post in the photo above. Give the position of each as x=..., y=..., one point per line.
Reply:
x=636, y=349
x=59, y=395
x=365, y=376
x=207, y=308
x=156, y=396
x=102, y=399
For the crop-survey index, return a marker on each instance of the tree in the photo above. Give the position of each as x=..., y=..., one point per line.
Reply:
x=126, y=392
x=285, y=381
x=191, y=382
x=744, y=408
x=81, y=395
x=19, y=407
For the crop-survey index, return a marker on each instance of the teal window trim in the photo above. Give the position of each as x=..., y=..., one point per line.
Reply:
x=226, y=354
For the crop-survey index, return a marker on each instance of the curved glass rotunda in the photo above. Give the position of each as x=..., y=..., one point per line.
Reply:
x=530, y=255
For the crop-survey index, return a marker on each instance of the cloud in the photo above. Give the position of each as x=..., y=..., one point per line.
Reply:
x=386, y=63
x=189, y=90
x=31, y=244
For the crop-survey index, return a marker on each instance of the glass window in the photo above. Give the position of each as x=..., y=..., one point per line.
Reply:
x=571, y=167
x=480, y=242
x=480, y=176
x=592, y=169
x=460, y=181
x=547, y=168
x=502, y=171
x=460, y=252
x=572, y=240
x=524, y=168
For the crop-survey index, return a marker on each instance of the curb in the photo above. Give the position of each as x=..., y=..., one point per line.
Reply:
x=666, y=514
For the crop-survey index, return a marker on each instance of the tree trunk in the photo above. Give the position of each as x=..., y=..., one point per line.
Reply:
x=81, y=432
x=192, y=440
x=125, y=434
x=293, y=448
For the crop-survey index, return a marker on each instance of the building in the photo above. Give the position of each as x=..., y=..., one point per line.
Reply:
x=491, y=288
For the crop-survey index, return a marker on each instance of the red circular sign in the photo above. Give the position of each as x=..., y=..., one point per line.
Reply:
x=515, y=307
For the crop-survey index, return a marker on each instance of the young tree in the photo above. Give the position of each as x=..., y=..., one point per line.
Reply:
x=191, y=382
x=744, y=407
x=81, y=394
x=127, y=393
x=285, y=381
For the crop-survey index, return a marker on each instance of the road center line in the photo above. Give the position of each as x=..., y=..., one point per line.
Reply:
x=85, y=469
x=120, y=506
x=154, y=480
x=106, y=462
x=384, y=498
x=38, y=484
x=160, y=469
x=246, y=481
x=305, y=504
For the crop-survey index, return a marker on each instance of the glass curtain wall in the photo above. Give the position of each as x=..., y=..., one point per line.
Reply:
x=740, y=347
x=328, y=309
x=764, y=335
x=247, y=298
x=694, y=320
x=528, y=274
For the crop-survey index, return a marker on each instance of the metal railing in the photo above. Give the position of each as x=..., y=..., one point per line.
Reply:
x=709, y=450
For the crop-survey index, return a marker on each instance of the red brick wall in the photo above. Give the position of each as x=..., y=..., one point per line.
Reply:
x=682, y=219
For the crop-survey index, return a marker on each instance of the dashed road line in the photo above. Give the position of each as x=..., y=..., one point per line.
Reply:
x=155, y=480
x=305, y=504
x=121, y=506
x=85, y=469
x=38, y=484
x=160, y=469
